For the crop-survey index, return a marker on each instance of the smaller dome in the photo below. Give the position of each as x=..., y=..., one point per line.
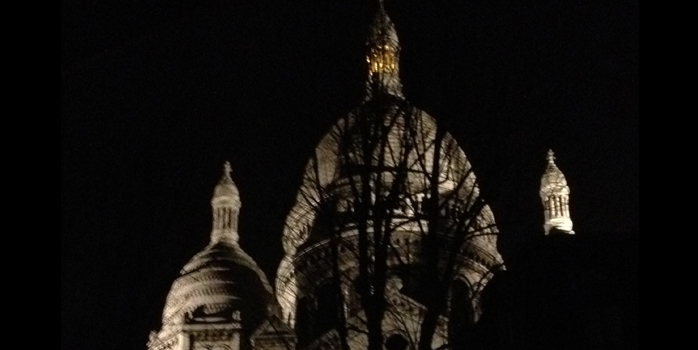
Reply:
x=217, y=281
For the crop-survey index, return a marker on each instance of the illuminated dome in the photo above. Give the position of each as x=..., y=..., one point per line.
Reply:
x=336, y=152
x=214, y=284
x=386, y=110
x=408, y=152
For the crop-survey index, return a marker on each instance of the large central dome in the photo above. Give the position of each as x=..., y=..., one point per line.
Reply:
x=384, y=151
x=411, y=143
x=411, y=136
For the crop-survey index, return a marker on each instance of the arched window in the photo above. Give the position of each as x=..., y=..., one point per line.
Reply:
x=328, y=308
x=396, y=342
x=304, y=321
x=317, y=314
x=460, y=304
x=460, y=317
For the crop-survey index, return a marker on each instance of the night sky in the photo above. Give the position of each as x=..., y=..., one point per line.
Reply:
x=155, y=97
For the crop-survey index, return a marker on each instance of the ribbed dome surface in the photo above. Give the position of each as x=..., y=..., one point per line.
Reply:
x=226, y=189
x=395, y=119
x=407, y=130
x=214, y=283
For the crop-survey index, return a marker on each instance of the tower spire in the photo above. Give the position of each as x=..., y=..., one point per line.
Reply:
x=551, y=157
x=382, y=55
x=554, y=193
x=226, y=208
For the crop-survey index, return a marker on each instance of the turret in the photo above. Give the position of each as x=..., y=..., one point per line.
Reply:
x=226, y=208
x=555, y=195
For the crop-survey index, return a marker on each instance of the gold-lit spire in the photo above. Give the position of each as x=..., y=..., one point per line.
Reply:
x=382, y=56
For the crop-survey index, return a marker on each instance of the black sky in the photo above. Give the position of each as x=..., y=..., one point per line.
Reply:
x=155, y=97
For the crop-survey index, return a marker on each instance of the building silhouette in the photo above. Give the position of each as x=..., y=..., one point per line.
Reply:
x=546, y=298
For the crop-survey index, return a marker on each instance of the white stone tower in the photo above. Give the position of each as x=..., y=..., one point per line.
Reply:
x=555, y=195
x=226, y=208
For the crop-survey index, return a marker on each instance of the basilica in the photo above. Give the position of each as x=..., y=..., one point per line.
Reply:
x=388, y=229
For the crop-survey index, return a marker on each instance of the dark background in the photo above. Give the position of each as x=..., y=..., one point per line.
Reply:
x=155, y=96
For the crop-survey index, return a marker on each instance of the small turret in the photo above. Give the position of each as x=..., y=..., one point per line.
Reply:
x=226, y=208
x=555, y=193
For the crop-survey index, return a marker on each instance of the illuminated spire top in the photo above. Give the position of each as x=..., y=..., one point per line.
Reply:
x=226, y=207
x=554, y=194
x=383, y=53
x=550, y=157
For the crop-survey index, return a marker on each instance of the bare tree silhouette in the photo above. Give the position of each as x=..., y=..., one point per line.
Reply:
x=389, y=238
